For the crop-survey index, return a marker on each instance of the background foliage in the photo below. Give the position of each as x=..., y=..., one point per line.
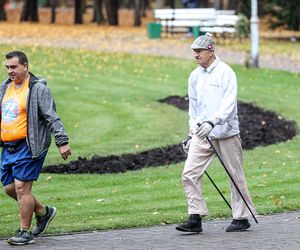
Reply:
x=284, y=12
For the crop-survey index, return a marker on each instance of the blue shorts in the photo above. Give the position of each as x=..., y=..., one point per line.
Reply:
x=18, y=164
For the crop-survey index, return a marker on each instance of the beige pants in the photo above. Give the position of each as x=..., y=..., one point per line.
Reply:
x=199, y=158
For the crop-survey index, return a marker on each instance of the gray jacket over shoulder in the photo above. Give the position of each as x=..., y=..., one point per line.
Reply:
x=42, y=119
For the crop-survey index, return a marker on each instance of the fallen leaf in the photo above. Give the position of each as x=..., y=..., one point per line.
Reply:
x=277, y=201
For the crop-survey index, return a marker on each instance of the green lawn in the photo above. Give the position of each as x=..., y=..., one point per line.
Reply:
x=108, y=103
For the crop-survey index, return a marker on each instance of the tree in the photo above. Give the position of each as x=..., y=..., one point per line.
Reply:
x=30, y=11
x=146, y=5
x=78, y=12
x=287, y=13
x=98, y=12
x=138, y=11
x=112, y=7
x=172, y=4
x=204, y=3
x=2, y=11
x=53, y=4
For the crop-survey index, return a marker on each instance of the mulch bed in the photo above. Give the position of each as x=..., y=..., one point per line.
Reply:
x=258, y=128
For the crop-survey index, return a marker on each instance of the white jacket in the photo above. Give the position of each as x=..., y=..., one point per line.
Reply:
x=213, y=97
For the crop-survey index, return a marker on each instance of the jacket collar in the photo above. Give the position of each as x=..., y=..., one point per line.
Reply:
x=32, y=80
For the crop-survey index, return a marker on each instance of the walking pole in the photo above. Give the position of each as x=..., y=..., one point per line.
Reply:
x=209, y=141
x=218, y=189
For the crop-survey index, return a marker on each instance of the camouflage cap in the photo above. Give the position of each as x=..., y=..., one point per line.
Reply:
x=204, y=42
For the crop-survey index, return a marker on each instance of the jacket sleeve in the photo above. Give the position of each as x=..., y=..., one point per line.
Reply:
x=228, y=101
x=192, y=93
x=47, y=109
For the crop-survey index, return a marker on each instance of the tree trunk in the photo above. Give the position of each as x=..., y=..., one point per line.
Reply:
x=53, y=10
x=2, y=11
x=25, y=13
x=145, y=7
x=225, y=4
x=30, y=11
x=112, y=7
x=172, y=4
x=138, y=9
x=232, y=4
x=203, y=3
x=78, y=12
x=98, y=12
x=34, y=11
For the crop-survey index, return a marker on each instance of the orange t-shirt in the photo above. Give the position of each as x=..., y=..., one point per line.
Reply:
x=13, y=113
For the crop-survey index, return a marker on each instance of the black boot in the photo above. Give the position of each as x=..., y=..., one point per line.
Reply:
x=194, y=224
x=238, y=226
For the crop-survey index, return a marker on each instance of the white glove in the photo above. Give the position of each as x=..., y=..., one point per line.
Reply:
x=186, y=144
x=204, y=129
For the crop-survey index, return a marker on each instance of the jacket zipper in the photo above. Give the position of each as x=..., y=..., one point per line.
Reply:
x=27, y=111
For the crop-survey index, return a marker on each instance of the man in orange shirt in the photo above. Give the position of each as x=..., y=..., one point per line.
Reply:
x=28, y=117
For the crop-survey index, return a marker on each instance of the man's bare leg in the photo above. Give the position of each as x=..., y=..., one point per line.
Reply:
x=10, y=190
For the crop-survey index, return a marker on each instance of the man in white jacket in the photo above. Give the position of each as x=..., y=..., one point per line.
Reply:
x=212, y=94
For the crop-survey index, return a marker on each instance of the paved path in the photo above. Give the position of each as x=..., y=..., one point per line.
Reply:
x=280, y=231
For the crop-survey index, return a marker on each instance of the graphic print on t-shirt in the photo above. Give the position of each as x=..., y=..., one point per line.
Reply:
x=10, y=111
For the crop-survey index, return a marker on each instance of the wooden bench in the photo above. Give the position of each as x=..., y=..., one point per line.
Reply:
x=224, y=23
x=178, y=20
x=207, y=19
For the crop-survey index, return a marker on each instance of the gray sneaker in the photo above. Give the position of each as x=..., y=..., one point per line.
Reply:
x=21, y=238
x=42, y=222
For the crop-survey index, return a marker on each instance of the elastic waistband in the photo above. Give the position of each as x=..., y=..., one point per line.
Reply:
x=14, y=143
